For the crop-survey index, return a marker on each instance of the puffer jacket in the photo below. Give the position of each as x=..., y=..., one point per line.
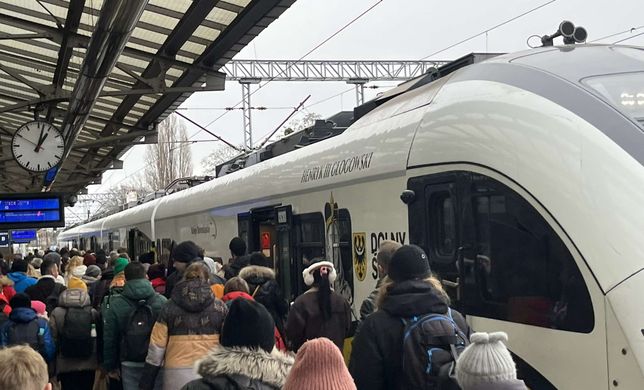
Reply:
x=116, y=312
x=66, y=300
x=187, y=328
x=241, y=368
x=264, y=289
x=21, y=281
x=376, y=356
x=102, y=287
x=305, y=321
x=21, y=316
x=369, y=304
x=6, y=285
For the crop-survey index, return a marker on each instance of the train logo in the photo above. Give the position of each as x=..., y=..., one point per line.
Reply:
x=360, y=255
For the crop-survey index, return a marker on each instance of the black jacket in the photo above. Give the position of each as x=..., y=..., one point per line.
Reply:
x=102, y=287
x=43, y=289
x=171, y=281
x=264, y=289
x=376, y=357
x=233, y=267
x=241, y=368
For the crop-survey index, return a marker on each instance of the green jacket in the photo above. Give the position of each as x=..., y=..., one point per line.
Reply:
x=116, y=310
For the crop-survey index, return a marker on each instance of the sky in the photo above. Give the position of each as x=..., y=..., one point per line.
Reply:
x=392, y=30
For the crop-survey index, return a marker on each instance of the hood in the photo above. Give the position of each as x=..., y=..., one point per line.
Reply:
x=5, y=281
x=74, y=298
x=236, y=294
x=240, y=262
x=17, y=277
x=89, y=279
x=22, y=314
x=256, y=274
x=156, y=282
x=138, y=289
x=413, y=297
x=271, y=368
x=192, y=295
x=108, y=274
x=505, y=385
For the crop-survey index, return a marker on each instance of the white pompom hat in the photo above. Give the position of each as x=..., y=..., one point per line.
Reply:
x=485, y=360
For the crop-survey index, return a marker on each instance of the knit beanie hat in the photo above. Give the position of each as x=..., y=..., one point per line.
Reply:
x=79, y=271
x=120, y=264
x=89, y=259
x=36, y=262
x=248, y=324
x=75, y=282
x=319, y=366
x=20, y=300
x=93, y=271
x=409, y=262
x=485, y=360
x=186, y=252
x=39, y=307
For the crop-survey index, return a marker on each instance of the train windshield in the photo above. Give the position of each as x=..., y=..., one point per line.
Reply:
x=624, y=91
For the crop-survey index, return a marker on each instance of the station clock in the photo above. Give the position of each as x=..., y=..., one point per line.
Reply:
x=37, y=146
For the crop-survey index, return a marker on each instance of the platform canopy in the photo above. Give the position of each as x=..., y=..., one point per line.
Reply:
x=105, y=72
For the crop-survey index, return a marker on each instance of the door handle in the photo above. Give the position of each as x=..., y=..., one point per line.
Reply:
x=456, y=285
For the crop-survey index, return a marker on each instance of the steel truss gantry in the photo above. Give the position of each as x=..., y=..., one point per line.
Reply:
x=358, y=73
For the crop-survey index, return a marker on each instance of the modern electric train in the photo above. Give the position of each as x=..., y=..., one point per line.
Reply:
x=522, y=177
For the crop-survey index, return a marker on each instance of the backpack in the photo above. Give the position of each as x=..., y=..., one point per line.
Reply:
x=431, y=346
x=30, y=333
x=76, y=337
x=136, y=336
x=51, y=302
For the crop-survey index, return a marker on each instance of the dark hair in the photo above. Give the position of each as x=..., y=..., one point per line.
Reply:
x=20, y=300
x=147, y=258
x=258, y=258
x=4, y=267
x=64, y=251
x=186, y=252
x=324, y=291
x=237, y=247
x=156, y=271
x=19, y=265
x=47, y=266
x=134, y=270
x=101, y=257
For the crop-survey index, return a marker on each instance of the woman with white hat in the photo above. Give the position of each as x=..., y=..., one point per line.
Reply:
x=320, y=311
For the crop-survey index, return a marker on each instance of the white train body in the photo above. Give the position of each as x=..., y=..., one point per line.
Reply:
x=530, y=151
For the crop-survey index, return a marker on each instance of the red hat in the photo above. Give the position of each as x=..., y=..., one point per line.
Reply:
x=319, y=366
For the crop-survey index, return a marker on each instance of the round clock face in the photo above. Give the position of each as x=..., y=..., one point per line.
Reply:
x=37, y=146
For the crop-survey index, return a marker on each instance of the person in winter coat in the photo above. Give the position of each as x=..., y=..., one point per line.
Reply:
x=245, y=358
x=22, y=320
x=486, y=364
x=386, y=250
x=320, y=311
x=319, y=365
x=103, y=287
x=116, y=313
x=156, y=274
x=75, y=261
x=76, y=278
x=74, y=372
x=187, y=328
x=263, y=287
x=409, y=291
x=56, y=258
x=216, y=282
x=238, y=288
x=118, y=281
x=91, y=278
x=182, y=256
x=238, y=259
x=19, y=275
x=6, y=287
x=47, y=289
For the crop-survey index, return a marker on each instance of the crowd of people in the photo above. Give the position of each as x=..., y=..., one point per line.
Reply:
x=78, y=320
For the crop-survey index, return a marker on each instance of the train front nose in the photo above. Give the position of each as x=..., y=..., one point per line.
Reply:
x=625, y=333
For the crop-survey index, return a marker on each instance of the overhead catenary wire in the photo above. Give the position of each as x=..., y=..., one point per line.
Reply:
x=490, y=29
x=627, y=38
x=630, y=30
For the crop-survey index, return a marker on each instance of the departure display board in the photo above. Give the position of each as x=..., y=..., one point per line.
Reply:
x=4, y=239
x=31, y=211
x=23, y=236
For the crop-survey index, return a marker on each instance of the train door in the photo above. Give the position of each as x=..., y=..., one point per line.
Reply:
x=138, y=243
x=507, y=266
x=309, y=244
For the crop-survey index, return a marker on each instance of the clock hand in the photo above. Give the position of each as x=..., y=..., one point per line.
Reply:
x=31, y=142
x=39, y=140
x=38, y=147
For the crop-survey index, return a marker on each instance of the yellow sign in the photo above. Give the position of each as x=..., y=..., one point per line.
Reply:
x=360, y=255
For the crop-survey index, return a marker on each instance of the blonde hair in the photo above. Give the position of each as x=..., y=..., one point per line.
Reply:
x=22, y=368
x=197, y=270
x=236, y=284
x=388, y=284
x=73, y=263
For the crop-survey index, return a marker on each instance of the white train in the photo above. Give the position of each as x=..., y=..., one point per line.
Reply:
x=522, y=176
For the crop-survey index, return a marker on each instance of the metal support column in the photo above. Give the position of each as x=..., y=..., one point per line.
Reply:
x=246, y=110
x=359, y=83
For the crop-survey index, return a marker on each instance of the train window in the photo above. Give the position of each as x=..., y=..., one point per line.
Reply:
x=309, y=244
x=443, y=223
x=520, y=270
x=344, y=282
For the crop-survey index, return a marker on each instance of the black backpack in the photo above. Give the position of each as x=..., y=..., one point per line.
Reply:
x=76, y=339
x=30, y=333
x=136, y=336
x=431, y=345
x=51, y=302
